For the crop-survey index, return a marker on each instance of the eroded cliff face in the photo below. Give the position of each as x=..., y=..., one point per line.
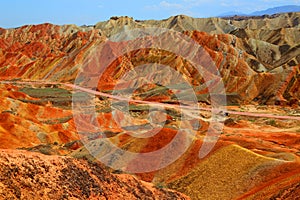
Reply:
x=45, y=51
x=257, y=58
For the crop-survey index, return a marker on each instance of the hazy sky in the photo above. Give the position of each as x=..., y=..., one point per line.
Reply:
x=19, y=12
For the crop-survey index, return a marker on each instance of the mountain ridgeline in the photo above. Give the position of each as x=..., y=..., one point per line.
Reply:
x=256, y=154
x=258, y=57
x=269, y=11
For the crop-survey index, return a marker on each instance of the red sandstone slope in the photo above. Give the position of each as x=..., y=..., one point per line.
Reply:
x=44, y=51
x=259, y=63
x=230, y=171
x=254, y=67
x=26, y=122
x=27, y=175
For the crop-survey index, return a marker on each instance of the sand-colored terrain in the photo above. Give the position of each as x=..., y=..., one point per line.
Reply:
x=256, y=155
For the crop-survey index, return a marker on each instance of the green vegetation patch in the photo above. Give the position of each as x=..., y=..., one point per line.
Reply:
x=46, y=92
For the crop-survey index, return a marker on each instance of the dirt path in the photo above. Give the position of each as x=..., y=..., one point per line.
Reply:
x=181, y=107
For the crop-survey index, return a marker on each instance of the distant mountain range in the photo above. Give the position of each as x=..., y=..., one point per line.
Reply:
x=270, y=11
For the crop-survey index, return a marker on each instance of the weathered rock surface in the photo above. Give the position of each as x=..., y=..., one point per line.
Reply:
x=251, y=159
x=27, y=175
x=255, y=158
x=27, y=121
x=258, y=58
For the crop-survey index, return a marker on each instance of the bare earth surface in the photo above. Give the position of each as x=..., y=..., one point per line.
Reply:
x=257, y=152
x=26, y=175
